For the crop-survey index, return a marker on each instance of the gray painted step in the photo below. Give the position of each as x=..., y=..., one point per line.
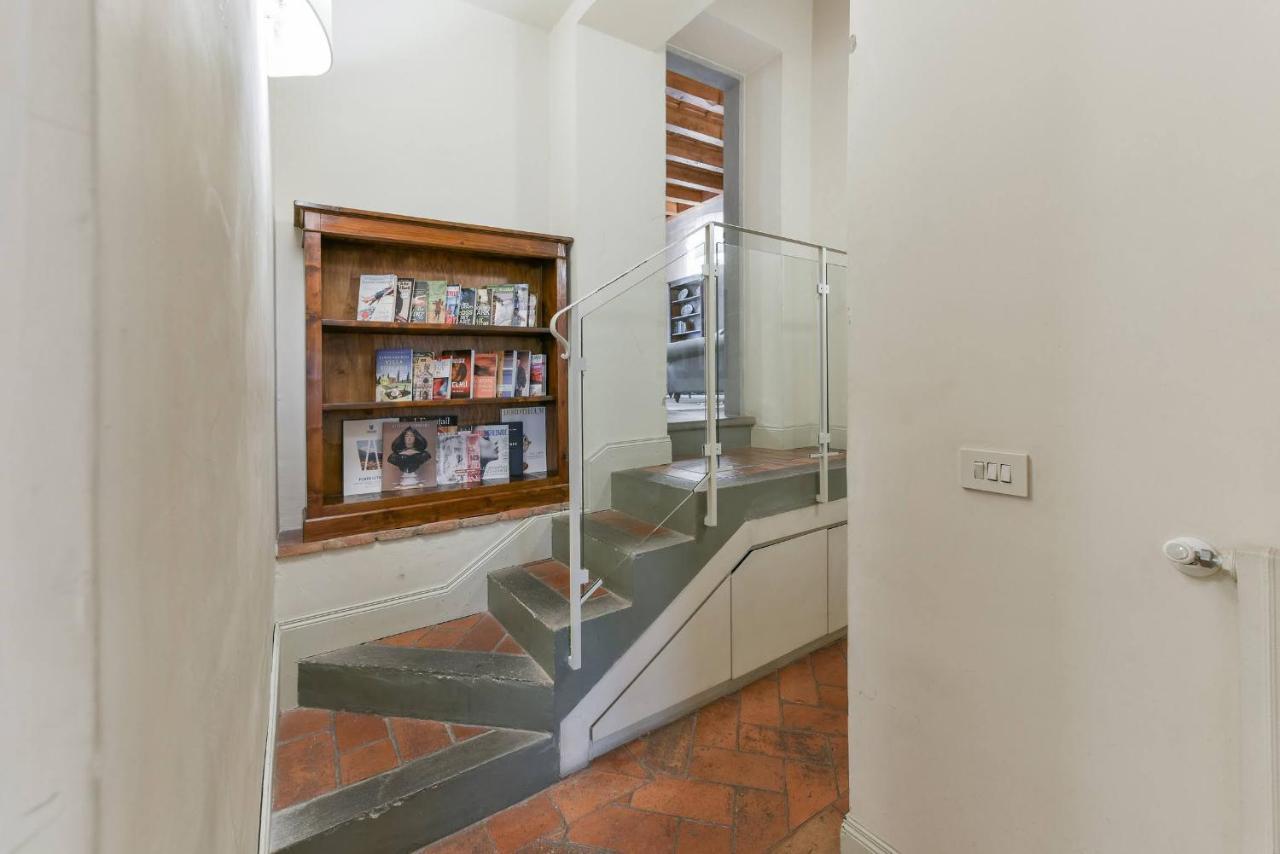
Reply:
x=425, y=800
x=484, y=688
x=659, y=499
x=538, y=617
x=687, y=437
x=616, y=547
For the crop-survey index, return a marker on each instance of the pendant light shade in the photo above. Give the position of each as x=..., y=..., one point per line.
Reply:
x=297, y=37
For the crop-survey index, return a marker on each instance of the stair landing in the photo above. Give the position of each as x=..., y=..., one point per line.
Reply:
x=320, y=751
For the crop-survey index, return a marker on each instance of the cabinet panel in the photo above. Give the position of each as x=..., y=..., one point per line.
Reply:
x=696, y=659
x=837, y=578
x=779, y=600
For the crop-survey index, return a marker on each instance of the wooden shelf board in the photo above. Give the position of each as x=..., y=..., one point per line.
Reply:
x=338, y=504
x=373, y=405
x=382, y=327
x=686, y=316
x=686, y=299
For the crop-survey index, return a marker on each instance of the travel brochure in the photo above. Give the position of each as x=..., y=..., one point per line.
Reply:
x=387, y=298
x=405, y=374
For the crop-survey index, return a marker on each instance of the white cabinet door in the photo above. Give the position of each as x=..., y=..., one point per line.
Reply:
x=696, y=659
x=837, y=578
x=779, y=600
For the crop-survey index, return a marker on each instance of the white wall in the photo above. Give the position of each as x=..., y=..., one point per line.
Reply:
x=184, y=486
x=1063, y=242
x=431, y=109
x=46, y=343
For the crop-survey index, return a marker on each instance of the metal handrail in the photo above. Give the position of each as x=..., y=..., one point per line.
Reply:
x=555, y=318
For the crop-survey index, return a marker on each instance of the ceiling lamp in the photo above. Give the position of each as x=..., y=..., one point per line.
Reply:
x=296, y=37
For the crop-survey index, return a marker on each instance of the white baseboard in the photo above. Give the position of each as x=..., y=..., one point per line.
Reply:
x=620, y=456
x=465, y=593
x=856, y=839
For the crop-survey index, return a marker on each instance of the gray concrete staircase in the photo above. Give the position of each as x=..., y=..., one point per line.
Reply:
x=645, y=549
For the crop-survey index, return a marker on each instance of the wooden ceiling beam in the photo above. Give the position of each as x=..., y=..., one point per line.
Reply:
x=694, y=175
x=678, y=193
x=697, y=150
x=697, y=88
x=682, y=114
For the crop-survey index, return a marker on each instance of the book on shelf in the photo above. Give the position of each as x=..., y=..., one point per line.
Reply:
x=495, y=451
x=437, y=302
x=377, y=298
x=467, y=307
x=362, y=456
x=533, y=423
x=503, y=298
x=459, y=457
x=531, y=310
x=393, y=371
x=522, y=374
x=520, y=309
x=537, y=375
x=441, y=376
x=507, y=374
x=484, y=315
x=484, y=375
x=460, y=376
x=423, y=374
x=409, y=455
x=418, y=304
x=452, y=293
x=515, y=449
x=404, y=298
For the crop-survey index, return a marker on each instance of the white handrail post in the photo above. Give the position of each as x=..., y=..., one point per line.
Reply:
x=711, y=381
x=824, y=382
x=577, y=482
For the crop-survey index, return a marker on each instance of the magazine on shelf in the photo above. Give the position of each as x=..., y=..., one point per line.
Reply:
x=537, y=375
x=377, y=298
x=520, y=310
x=437, y=302
x=467, y=307
x=452, y=293
x=362, y=456
x=441, y=374
x=409, y=455
x=418, y=304
x=503, y=299
x=484, y=375
x=404, y=297
x=393, y=372
x=531, y=310
x=484, y=314
x=533, y=422
x=423, y=374
x=507, y=374
x=522, y=373
x=495, y=451
x=460, y=375
x=459, y=457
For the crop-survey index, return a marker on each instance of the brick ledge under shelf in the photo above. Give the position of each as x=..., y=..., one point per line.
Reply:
x=290, y=543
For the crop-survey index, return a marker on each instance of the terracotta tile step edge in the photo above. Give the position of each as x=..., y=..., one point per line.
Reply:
x=291, y=544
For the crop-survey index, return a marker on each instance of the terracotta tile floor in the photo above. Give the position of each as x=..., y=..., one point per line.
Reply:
x=318, y=751
x=764, y=769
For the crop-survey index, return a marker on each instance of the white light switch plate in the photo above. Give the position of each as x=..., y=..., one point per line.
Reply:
x=974, y=460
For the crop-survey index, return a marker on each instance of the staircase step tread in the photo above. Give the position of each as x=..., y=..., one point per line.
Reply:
x=548, y=605
x=377, y=795
x=628, y=534
x=443, y=662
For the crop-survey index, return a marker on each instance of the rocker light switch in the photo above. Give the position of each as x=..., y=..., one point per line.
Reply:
x=1002, y=472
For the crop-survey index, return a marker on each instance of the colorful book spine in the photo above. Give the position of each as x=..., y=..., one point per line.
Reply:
x=537, y=375
x=467, y=307
x=452, y=293
x=485, y=375
x=460, y=380
x=484, y=313
x=404, y=299
x=418, y=304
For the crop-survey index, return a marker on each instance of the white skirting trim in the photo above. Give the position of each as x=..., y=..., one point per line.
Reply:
x=856, y=839
x=1258, y=576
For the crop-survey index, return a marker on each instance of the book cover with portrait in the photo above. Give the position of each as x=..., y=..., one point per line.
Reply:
x=409, y=450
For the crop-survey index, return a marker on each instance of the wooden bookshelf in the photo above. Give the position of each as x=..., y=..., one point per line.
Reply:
x=340, y=245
